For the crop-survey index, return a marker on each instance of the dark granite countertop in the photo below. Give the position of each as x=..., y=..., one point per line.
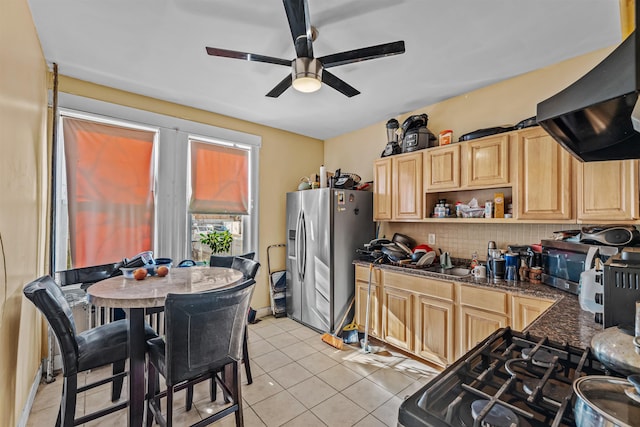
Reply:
x=563, y=322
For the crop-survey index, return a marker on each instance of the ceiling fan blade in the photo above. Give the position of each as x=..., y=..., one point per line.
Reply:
x=280, y=87
x=363, y=54
x=300, y=25
x=213, y=51
x=339, y=84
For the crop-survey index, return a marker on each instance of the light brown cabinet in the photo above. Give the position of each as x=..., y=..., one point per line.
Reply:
x=525, y=310
x=362, y=287
x=442, y=168
x=407, y=186
x=481, y=312
x=434, y=330
x=382, y=190
x=486, y=162
x=607, y=191
x=397, y=316
x=543, y=190
x=438, y=320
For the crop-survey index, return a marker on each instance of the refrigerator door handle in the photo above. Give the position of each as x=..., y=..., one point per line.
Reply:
x=297, y=246
x=302, y=238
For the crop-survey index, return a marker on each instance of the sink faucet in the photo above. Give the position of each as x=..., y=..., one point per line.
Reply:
x=445, y=260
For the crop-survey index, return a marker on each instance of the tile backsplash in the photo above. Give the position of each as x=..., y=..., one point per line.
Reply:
x=462, y=239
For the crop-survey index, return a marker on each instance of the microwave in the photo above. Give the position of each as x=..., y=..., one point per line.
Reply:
x=563, y=262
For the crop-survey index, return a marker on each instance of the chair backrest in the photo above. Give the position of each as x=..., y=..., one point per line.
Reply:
x=47, y=296
x=226, y=261
x=204, y=331
x=248, y=267
x=187, y=263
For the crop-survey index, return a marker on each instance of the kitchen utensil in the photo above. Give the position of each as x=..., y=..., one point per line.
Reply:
x=615, y=349
x=479, y=272
x=422, y=247
x=603, y=401
x=393, y=252
x=402, y=238
x=498, y=268
x=426, y=259
x=404, y=248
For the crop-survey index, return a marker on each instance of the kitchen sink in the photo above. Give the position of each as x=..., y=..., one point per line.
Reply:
x=455, y=271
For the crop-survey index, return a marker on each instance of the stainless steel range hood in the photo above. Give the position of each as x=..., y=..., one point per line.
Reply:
x=597, y=118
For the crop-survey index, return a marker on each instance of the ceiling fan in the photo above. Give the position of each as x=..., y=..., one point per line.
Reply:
x=307, y=72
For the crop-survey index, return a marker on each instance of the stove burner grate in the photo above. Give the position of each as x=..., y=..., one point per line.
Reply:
x=493, y=416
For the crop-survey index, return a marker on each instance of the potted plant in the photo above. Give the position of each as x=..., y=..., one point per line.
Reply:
x=218, y=241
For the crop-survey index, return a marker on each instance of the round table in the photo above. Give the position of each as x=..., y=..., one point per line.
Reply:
x=138, y=295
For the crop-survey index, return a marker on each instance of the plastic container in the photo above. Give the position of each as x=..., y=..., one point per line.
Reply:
x=445, y=137
x=127, y=272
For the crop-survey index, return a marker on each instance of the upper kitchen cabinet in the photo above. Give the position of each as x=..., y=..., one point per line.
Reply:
x=442, y=168
x=607, y=191
x=382, y=190
x=543, y=188
x=486, y=162
x=407, y=186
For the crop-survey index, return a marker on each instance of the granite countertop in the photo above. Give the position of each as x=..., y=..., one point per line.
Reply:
x=563, y=322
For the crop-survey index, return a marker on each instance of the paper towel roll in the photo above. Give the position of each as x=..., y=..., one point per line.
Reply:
x=323, y=177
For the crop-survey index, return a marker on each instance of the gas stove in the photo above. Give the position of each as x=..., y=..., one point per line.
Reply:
x=509, y=379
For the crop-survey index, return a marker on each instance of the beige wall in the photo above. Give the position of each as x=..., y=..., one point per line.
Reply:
x=504, y=103
x=284, y=158
x=23, y=195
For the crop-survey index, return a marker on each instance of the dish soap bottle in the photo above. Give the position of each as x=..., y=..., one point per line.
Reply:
x=474, y=260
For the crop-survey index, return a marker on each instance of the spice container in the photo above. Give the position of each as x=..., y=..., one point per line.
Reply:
x=445, y=137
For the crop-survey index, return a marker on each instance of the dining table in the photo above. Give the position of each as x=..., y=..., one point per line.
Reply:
x=136, y=296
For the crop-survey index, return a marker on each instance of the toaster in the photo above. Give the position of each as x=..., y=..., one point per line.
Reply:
x=621, y=288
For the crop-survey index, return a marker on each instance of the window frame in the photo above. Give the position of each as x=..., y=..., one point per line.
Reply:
x=171, y=165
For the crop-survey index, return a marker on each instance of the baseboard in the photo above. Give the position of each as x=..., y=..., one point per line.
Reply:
x=263, y=312
x=26, y=410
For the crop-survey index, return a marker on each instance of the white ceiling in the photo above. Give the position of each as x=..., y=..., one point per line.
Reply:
x=157, y=48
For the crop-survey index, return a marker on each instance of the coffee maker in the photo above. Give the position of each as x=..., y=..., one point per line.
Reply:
x=392, y=137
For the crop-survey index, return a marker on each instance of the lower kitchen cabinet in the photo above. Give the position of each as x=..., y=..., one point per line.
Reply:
x=434, y=330
x=480, y=313
x=397, y=316
x=475, y=325
x=362, y=288
x=437, y=320
x=525, y=310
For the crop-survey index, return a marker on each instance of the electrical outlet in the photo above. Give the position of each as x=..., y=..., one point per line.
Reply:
x=432, y=239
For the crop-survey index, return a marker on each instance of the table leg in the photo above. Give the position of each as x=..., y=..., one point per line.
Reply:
x=136, y=367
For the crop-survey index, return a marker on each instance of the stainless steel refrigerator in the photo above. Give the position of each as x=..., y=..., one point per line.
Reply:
x=325, y=227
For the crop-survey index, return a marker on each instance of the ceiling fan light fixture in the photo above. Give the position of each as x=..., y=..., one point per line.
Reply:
x=306, y=74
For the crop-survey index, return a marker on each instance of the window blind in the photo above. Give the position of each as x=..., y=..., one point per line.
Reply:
x=219, y=179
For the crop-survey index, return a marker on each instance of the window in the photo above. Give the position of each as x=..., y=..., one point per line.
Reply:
x=150, y=200
x=219, y=193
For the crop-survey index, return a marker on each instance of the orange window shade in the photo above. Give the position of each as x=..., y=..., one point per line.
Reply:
x=219, y=179
x=109, y=189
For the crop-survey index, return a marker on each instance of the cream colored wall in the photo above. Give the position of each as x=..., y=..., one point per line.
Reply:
x=24, y=176
x=504, y=103
x=284, y=158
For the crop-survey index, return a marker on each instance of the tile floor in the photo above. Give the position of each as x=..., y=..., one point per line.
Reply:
x=298, y=380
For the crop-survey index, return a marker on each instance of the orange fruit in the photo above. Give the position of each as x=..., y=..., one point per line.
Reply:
x=140, y=273
x=162, y=270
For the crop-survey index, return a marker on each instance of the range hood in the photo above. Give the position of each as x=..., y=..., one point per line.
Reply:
x=596, y=118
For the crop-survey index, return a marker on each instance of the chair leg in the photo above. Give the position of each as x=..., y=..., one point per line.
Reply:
x=116, y=388
x=169, y=406
x=237, y=395
x=67, y=411
x=153, y=382
x=213, y=389
x=245, y=356
x=189, y=398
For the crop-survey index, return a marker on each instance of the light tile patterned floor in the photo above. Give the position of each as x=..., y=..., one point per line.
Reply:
x=298, y=380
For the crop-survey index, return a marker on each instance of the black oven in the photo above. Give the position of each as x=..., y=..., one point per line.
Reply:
x=510, y=378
